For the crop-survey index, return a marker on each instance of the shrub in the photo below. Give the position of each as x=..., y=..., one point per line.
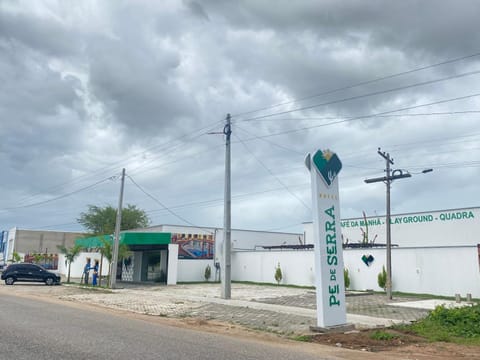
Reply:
x=382, y=278
x=460, y=322
x=278, y=274
x=208, y=273
x=346, y=278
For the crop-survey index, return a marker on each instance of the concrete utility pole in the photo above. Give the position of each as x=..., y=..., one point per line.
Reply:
x=226, y=265
x=388, y=180
x=116, y=240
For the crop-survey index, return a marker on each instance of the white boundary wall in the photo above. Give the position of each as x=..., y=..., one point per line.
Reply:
x=434, y=270
x=298, y=267
x=194, y=270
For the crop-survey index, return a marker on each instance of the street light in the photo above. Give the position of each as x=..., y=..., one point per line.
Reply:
x=390, y=176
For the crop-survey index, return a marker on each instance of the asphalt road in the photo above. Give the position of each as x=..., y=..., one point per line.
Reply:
x=34, y=329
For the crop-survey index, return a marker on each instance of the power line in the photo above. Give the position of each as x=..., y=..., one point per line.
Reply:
x=380, y=116
x=356, y=97
x=107, y=168
x=176, y=161
x=348, y=87
x=449, y=165
x=367, y=116
x=58, y=197
x=270, y=142
x=171, y=150
x=245, y=196
x=161, y=204
x=272, y=174
x=56, y=225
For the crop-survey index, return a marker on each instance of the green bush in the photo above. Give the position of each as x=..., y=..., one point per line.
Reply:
x=208, y=273
x=461, y=322
x=278, y=274
x=382, y=279
x=346, y=278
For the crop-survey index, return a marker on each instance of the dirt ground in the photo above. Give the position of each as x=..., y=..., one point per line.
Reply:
x=402, y=345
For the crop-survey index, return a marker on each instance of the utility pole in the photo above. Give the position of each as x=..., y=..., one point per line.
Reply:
x=226, y=267
x=390, y=176
x=116, y=240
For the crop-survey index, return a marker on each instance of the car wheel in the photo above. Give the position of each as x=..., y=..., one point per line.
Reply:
x=9, y=280
x=49, y=281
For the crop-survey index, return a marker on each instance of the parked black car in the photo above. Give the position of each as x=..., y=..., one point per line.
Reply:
x=29, y=273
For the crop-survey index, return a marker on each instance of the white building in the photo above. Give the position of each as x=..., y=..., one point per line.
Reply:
x=193, y=240
x=454, y=227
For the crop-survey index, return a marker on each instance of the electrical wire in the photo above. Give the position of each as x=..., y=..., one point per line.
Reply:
x=162, y=205
x=176, y=161
x=57, y=197
x=103, y=170
x=338, y=117
x=348, y=87
x=272, y=174
x=364, y=117
x=357, y=97
x=270, y=142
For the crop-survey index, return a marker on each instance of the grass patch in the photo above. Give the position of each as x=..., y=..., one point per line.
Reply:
x=90, y=287
x=274, y=284
x=457, y=325
x=304, y=338
x=382, y=335
x=427, y=296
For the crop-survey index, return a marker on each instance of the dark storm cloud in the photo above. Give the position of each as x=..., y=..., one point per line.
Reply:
x=197, y=9
x=133, y=74
x=44, y=35
x=424, y=26
x=41, y=118
x=342, y=43
x=33, y=99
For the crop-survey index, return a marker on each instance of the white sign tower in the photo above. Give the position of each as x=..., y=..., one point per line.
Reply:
x=324, y=167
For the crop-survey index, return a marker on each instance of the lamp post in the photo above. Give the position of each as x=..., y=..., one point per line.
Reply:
x=387, y=179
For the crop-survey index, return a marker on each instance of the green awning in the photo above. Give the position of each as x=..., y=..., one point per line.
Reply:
x=128, y=238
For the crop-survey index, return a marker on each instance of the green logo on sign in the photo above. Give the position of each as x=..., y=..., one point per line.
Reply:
x=328, y=165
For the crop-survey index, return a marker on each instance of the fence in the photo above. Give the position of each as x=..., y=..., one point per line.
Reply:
x=433, y=270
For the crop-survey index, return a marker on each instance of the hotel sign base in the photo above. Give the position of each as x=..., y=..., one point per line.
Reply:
x=333, y=329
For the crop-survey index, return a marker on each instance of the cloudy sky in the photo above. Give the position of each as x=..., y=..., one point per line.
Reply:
x=90, y=87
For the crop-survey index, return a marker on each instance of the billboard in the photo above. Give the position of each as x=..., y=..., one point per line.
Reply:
x=194, y=246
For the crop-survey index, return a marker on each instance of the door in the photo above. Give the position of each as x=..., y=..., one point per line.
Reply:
x=35, y=273
x=151, y=270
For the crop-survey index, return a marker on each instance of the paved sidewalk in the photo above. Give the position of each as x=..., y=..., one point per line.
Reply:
x=273, y=308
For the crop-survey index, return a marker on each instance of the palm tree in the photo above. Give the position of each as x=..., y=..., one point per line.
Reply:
x=70, y=256
x=107, y=252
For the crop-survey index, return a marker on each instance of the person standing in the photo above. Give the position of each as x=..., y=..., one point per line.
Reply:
x=86, y=271
x=95, y=273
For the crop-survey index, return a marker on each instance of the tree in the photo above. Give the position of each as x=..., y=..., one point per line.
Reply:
x=106, y=250
x=70, y=256
x=15, y=257
x=101, y=220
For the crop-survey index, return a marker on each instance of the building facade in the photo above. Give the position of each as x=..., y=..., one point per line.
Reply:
x=39, y=244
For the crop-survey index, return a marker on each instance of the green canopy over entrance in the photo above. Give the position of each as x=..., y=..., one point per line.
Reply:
x=128, y=238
